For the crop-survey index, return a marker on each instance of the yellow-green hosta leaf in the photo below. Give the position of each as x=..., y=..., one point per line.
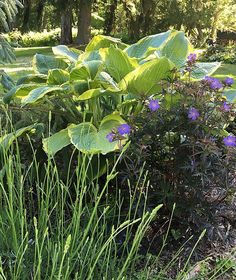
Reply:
x=38, y=93
x=230, y=95
x=146, y=78
x=56, y=142
x=176, y=48
x=8, y=139
x=57, y=77
x=64, y=51
x=32, y=78
x=80, y=72
x=203, y=69
x=142, y=48
x=88, y=139
x=19, y=91
x=94, y=67
x=43, y=63
x=101, y=41
x=117, y=63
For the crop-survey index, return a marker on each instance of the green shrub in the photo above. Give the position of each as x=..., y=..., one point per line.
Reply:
x=182, y=134
x=220, y=53
x=40, y=39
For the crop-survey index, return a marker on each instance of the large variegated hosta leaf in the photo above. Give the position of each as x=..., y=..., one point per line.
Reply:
x=32, y=78
x=30, y=93
x=56, y=142
x=64, y=51
x=85, y=137
x=230, y=95
x=8, y=139
x=203, y=69
x=117, y=63
x=43, y=63
x=57, y=77
x=101, y=41
x=176, y=49
x=153, y=42
x=145, y=79
x=19, y=91
x=38, y=93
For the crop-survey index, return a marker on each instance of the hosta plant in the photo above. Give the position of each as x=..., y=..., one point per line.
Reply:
x=92, y=92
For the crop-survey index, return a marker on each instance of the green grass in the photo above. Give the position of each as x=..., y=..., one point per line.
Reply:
x=23, y=64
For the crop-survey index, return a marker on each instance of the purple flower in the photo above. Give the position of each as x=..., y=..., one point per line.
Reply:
x=230, y=141
x=228, y=81
x=226, y=107
x=110, y=137
x=192, y=58
x=213, y=83
x=124, y=129
x=193, y=114
x=154, y=105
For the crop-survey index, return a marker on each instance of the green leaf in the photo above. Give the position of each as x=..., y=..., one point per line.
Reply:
x=56, y=142
x=90, y=55
x=146, y=78
x=203, y=69
x=39, y=93
x=43, y=63
x=64, y=51
x=92, y=93
x=107, y=81
x=57, y=77
x=230, y=95
x=101, y=41
x=153, y=42
x=32, y=78
x=118, y=64
x=94, y=67
x=86, y=138
x=176, y=49
x=80, y=72
x=80, y=86
x=7, y=140
x=19, y=92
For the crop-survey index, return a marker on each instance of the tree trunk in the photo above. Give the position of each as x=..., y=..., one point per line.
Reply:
x=84, y=22
x=66, y=27
x=110, y=17
x=26, y=16
x=39, y=11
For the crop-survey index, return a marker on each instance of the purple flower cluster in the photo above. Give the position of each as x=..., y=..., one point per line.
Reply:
x=123, y=129
x=226, y=107
x=213, y=83
x=193, y=114
x=230, y=141
x=192, y=58
x=154, y=105
x=228, y=81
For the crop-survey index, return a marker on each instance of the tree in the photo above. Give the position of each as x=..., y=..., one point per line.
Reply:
x=84, y=21
x=26, y=15
x=8, y=11
x=110, y=16
x=39, y=10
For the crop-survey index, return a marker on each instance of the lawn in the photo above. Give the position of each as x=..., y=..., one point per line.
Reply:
x=23, y=64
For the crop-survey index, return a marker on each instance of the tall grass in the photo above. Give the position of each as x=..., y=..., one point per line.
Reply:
x=72, y=228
